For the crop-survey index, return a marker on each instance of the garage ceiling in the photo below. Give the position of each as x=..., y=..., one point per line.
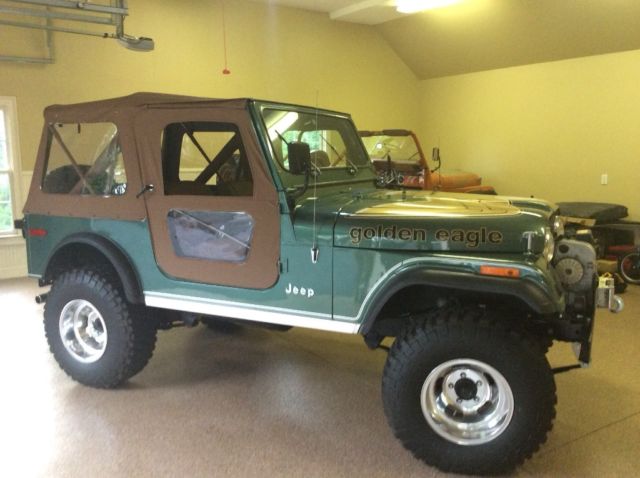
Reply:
x=478, y=35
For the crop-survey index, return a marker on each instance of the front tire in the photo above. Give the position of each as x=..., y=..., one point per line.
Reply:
x=467, y=393
x=96, y=337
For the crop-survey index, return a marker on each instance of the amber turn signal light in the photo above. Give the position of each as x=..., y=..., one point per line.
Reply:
x=499, y=271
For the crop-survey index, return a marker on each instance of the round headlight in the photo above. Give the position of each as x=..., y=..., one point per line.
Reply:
x=558, y=226
x=549, y=245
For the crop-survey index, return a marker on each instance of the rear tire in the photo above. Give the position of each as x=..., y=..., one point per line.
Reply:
x=96, y=337
x=467, y=393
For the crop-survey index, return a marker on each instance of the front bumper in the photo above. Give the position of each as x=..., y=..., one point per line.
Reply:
x=605, y=298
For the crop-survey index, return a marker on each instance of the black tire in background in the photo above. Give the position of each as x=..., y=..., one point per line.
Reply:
x=630, y=267
x=96, y=337
x=452, y=360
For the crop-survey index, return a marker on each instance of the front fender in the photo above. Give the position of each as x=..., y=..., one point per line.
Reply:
x=536, y=288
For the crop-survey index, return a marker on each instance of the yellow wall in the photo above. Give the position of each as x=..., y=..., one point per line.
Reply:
x=548, y=130
x=273, y=53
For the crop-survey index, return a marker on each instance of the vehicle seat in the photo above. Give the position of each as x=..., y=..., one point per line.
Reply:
x=320, y=159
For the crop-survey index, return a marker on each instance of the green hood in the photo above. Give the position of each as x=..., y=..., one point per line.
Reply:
x=426, y=221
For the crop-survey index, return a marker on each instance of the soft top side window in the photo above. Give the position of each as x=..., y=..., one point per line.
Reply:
x=205, y=158
x=84, y=158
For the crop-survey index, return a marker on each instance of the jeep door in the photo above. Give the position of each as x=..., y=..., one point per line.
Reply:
x=211, y=203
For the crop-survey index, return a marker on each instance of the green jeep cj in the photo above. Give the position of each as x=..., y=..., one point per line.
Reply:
x=150, y=211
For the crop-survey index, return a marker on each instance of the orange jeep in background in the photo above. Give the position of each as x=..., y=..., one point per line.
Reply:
x=398, y=159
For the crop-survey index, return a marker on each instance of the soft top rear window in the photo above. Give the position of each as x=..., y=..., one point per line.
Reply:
x=84, y=159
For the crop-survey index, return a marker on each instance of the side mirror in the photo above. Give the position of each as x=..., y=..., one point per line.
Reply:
x=299, y=157
x=435, y=157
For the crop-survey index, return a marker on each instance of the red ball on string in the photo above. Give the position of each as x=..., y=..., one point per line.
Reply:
x=226, y=70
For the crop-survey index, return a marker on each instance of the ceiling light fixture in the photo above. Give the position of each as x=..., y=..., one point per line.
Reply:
x=413, y=6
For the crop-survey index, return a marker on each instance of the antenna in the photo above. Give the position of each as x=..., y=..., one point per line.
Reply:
x=314, y=246
x=435, y=157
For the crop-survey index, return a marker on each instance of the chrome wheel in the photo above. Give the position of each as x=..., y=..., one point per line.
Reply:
x=83, y=331
x=467, y=401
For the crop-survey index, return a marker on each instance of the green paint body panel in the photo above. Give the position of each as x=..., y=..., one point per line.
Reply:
x=346, y=276
x=369, y=272
x=365, y=239
x=133, y=238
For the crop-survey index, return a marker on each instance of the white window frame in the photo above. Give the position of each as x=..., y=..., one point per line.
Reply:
x=9, y=106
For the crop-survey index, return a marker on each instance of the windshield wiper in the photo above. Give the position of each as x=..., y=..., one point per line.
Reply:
x=281, y=137
x=316, y=170
x=353, y=169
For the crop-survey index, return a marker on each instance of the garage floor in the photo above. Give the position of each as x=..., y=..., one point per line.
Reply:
x=253, y=402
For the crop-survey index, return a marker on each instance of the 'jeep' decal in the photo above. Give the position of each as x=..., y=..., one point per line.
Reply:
x=307, y=292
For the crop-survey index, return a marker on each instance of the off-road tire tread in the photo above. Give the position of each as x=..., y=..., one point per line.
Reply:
x=145, y=331
x=431, y=331
x=139, y=331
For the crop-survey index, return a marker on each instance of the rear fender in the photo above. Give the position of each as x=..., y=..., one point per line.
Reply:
x=106, y=248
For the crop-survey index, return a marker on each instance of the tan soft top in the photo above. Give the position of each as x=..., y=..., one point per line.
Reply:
x=141, y=119
x=95, y=111
x=142, y=109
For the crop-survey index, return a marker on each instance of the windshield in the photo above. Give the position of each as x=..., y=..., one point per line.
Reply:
x=336, y=150
x=402, y=149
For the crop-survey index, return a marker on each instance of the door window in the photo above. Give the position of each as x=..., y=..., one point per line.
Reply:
x=220, y=236
x=205, y=158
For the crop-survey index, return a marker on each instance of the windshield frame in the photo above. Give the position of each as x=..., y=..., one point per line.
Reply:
x=327, y=176
x=408, y=138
